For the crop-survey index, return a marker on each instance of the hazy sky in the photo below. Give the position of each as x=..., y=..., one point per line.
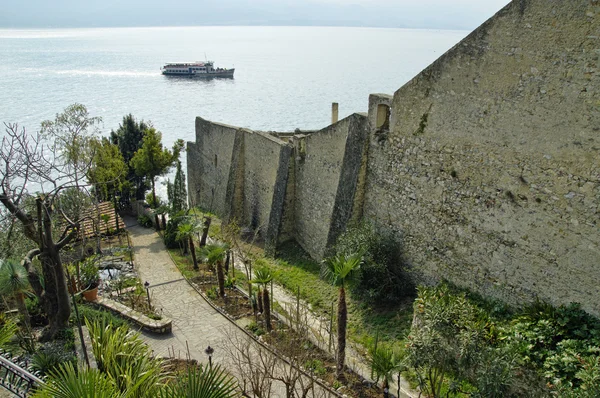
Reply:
x=440, y=14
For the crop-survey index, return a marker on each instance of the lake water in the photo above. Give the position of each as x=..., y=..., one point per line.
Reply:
x=285, y=78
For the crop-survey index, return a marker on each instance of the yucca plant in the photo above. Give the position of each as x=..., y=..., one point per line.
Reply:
x=264, y=276
x=203, y=382
x=126, y=360
x=14, y=282
x=338, y=270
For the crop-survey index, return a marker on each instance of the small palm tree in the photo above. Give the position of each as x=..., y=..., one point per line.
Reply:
x=14, y=282
x=202, y=382
x=264, y=276
x=185, y=234
x=385, y=362
x=214, y=255
x=339, y=269
x=69, y=382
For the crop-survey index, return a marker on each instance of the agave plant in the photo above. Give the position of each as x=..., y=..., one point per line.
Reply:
x=339, y=269
x=203, y=382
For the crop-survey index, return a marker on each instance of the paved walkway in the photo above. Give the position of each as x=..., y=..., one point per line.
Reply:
x=196, y=324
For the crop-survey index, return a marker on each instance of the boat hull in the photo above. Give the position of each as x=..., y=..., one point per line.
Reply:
x=210, y=75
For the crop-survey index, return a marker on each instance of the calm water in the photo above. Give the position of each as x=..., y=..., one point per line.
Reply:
x=286, y=77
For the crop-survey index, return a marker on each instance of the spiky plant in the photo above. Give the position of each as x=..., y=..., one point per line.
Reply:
x=214, y=255
x=69, y=382
x=339, y=270
x=384, y=362
x=264, y=276
x=14, y=282
x=203, y=382
x=186, y=233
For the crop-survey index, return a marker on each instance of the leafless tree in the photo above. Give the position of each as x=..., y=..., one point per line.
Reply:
x=33, y=177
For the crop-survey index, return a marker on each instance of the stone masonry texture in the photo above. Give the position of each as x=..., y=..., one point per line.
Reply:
x=486, y=170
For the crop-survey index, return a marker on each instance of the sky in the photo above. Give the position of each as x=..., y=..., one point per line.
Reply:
x=429, y=14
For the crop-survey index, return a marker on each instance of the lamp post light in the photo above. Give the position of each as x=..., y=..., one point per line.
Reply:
x=147, y=286
x=209, y=351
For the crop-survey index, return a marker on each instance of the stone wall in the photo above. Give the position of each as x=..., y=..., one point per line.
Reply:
x=489, y=171
x=325, y=164
x=209, y=161
x=485, y=166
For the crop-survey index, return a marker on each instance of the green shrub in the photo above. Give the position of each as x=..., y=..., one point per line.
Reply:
x=145, y=221
x=92, y=314
x=384, y=276
x=316, y=367
x=255, y=328
x=170, y=236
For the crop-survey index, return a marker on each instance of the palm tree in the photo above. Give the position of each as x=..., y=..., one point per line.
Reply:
x=384, y=362
x=69, y=382
x=339, y=269
x=202, y=382
x=14, y=282
x=214, y=255
x=264, y=276
x=186, y=233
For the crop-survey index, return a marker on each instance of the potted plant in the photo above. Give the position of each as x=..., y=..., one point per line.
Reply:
x=90, y=278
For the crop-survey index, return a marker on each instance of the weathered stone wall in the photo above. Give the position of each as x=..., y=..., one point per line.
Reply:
x=262, y=157
x=489, y=173
x=321, y=160
x=209, y=165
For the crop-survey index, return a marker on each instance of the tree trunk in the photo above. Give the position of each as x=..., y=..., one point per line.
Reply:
x=267, y=306
x=259, y=301
x=221, y=278
x=20, y=299
x=207, y=221
x=227, y=262
x=341, y=333
x=193, y=251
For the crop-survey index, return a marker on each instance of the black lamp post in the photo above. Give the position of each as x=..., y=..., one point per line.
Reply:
x=209, y=351
x=147, y=286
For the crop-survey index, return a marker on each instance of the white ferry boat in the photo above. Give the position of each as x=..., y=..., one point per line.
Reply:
x=196, y=69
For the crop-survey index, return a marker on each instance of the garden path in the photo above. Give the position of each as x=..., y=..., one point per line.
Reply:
x=196, y=324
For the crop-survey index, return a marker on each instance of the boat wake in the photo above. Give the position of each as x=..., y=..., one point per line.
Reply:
x=117, y=73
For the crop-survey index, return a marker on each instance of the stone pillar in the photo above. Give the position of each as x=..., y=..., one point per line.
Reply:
x=334, y=112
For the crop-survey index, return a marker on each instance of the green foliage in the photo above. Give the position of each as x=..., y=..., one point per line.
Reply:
x=13, y=278
x=154, y=204
x=145, y=221
x=316, y=367
x=126, y=360
x=72, y=132
x=255, y=328
x=178, y=196
x=212, y=293
x=383, y=276
x=170, y=235
x=203, y=382
x=341, y=267
x=451, y=336
x=108, y=169
x=49, y=360
x=89, y=273
x=129, y=138
x=8, y=329
x=385, y=362
x=152, y=160
x=212, y=254
x=91, y=314
x=69, y=382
